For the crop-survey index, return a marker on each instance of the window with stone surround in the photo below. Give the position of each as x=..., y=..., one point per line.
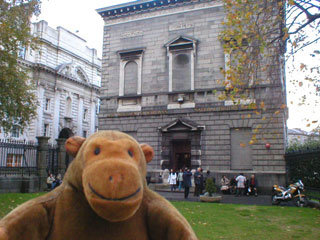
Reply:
x=181, y=54
x=231, y=61
x=241, y=152
x=15, y=132
x=130, y=78
x=46, y=130
x=47, y=105
x=130, y=72
x=85, y=114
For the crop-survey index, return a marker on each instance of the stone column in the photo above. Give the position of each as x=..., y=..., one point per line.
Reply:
x=93, y=118
x=42, y=162
x=39, y=125
x=61, y=156
x=80, y=116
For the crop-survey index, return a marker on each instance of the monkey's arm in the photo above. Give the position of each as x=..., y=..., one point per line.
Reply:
x=165, y=222
x=30, y=221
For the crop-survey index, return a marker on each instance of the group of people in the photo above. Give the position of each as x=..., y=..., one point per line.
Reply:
x=240, y=185
x=182, y=179
x=53, y=181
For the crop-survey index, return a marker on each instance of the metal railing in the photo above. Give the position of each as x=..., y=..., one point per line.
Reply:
x=52, y=158
x=18, y=158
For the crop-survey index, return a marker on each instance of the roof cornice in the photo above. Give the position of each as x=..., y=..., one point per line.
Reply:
x=43, y=67
x=141, y=6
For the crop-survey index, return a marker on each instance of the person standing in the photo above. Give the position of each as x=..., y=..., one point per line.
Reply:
x=180, y=179
x=253, y=184
x=187, y=182
x=198, y=181
x=233, y=185
x=241, y=180
x=172, y=180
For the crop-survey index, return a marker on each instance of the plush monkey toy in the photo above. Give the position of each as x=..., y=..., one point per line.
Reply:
x=104, y=195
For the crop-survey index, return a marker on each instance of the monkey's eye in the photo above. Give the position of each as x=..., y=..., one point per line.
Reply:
x=130, y=153
x=97, y=151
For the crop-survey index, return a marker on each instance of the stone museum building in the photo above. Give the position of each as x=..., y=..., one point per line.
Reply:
x=67, y=75
x=161, y=83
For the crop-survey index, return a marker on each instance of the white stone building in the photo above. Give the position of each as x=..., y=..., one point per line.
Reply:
x=297, y=135
x=67, y=74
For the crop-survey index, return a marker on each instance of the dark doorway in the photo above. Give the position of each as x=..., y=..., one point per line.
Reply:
x=66, y=133
x=181, y=154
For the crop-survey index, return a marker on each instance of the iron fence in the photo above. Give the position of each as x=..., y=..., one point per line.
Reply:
x=52, y=158
x=18, y=158
x=304, y=166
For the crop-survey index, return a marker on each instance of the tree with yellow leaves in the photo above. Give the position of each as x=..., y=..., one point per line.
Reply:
x=260, y=36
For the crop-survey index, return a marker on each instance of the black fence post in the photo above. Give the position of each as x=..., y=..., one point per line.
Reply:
x=61, y=156
x=42, y=162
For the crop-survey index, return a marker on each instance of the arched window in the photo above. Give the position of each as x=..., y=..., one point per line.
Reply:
x=130, y=78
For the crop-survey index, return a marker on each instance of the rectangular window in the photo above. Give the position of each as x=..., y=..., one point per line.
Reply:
x=181, y=52
x=241, y=152
x=84, y=134
x=47, y=105
x=15, y=132
x=85, y=114
x=14, y=160
x=130, y=72
x=46, y=130
x=22, y=52
x=98, y=107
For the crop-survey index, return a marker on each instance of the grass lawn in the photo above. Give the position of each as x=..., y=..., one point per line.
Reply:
x=228, y=221
x=235, y=221
x=9, y=201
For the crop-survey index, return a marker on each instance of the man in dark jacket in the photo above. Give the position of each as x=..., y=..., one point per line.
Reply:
x=187, y=182
x=198, y=182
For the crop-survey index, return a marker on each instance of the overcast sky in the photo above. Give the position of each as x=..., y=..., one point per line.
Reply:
x=80, y=17
x=77, y=16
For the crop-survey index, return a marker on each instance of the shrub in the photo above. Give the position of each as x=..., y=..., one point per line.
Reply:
x=210, y=187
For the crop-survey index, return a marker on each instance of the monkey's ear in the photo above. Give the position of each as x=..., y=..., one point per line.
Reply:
x=73, y=145
x=148, y=152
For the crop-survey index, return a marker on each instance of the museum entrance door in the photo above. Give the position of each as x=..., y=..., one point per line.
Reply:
x=181, y=154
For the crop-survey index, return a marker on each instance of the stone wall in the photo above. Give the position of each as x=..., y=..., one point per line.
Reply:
x=215, y=139
x=157, y=33
x=19, y=184
x=152, y=34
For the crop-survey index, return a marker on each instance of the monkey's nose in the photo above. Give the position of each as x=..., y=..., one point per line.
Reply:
x=116, y=178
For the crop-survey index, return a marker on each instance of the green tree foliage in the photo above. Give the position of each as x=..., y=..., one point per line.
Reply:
x=17, y=99
x=313, y=144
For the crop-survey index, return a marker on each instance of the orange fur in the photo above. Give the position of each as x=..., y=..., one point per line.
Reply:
x=103, y=196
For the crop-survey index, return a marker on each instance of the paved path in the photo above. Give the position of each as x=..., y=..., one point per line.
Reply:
x=250, y=200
